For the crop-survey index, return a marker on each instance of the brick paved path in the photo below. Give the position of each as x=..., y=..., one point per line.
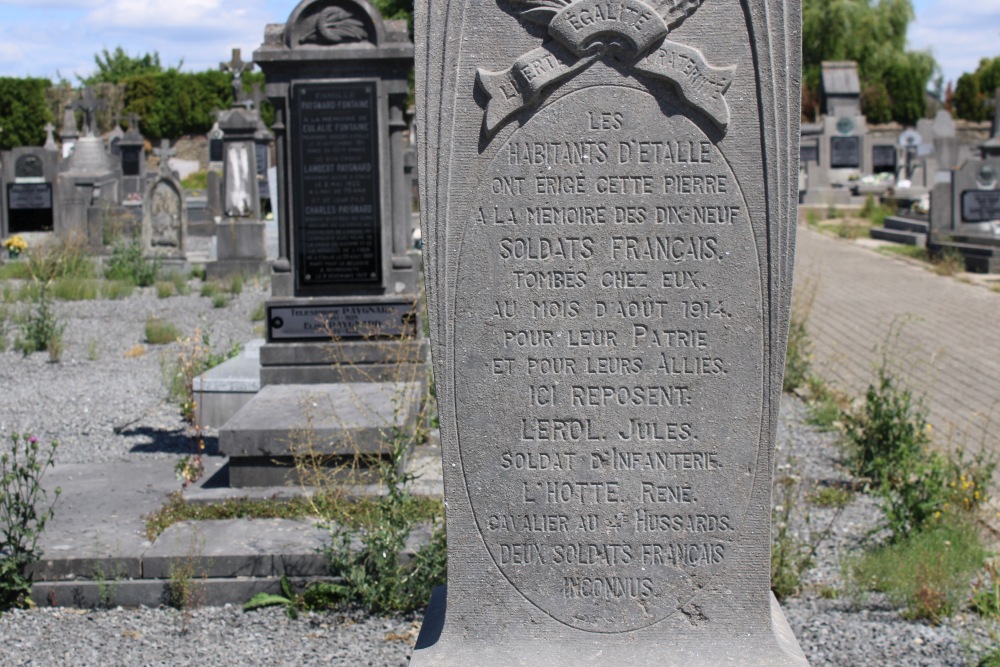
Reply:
x=949, y=346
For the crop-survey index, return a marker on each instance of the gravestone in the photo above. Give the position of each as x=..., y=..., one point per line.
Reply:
x=337, y=77
x=89, y=183
x=240, y=234
x=840, y=136
x=28, y=176
x=164, y=213
x=608, y=210
x=965, y=215
x=132, y=160
x=115, y=137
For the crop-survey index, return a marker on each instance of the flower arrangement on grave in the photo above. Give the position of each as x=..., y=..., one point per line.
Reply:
x=15, y=245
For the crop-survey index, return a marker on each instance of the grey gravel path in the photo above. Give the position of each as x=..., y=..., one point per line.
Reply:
x=948, y=346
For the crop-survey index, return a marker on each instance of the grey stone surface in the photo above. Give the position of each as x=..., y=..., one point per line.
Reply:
x=341, y=419
x=222, y=391
x=240, y=548
x=164, y=215
x=608, y=226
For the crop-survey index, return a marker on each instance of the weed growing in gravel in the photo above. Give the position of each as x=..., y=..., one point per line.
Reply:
x=60, y=258
x=236, y=284
x=889, y=442
x=75, y=289
x=258, y=313
x=986, y=592
x=210, y=289
x=40, y=328
x=22, y=515
x=160, y=332
x=792, y=551
x=183, y=592
x=912, y=251
x=831, y=496
x=93, y=350
x=927, y=573
x=876, y=212
x=991, y=659
x=798, y=352
x=164, y=290
x=127, y=262
x=220, y=301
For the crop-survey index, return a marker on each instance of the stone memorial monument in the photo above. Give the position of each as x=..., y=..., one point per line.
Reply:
x=69, y=133
x=337, y=77
x=240, y=233
x=28, y=176
x=89, y=182
x=839, y=138
x=608, y=200
x=132, y=160
x=164, y=214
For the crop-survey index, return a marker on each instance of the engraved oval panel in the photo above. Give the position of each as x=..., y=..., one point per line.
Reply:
x=608, y=313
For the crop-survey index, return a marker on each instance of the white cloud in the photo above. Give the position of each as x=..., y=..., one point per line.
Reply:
x=197, y=15
x=958, y=35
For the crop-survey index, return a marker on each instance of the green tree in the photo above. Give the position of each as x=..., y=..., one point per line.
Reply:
x=116, y=66
x=974, y=89
x=24, y=111
x=872, y=33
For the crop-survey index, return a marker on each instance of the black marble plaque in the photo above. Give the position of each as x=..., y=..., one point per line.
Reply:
x=883, y=158
x=845, y=152
x=215, y=150
x=130, y=161
x=22, y=196
x=980, y=205
x=808, y=153
x=335, y=178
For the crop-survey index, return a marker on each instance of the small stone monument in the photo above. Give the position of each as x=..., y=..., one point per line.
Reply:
x=132, y=159
x=240, y=234
x=115, y=137
x=89, y=180
x=840, y=152
x=608, y=207
x=28, y=176
x=164, y=213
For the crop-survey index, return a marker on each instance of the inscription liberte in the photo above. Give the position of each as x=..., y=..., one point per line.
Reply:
x=607, y=456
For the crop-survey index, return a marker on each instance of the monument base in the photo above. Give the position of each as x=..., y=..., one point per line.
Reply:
x=435, y=648
x=338, y=425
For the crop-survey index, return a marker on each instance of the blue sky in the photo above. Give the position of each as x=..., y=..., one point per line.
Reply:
x=50, y=37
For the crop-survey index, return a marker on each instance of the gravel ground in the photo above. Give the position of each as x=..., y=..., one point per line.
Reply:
x=103, y=405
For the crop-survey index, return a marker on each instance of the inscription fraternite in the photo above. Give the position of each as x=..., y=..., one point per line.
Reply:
x=607, y=207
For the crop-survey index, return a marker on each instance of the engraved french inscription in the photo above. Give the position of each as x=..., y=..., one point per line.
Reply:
x=611, y=303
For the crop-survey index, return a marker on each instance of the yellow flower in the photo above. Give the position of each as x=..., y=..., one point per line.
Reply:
x=16, y=243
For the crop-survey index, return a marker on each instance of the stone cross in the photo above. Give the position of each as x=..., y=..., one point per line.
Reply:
x=50, y=140
x=165, y=152
x=236, y=67
x=89, y=105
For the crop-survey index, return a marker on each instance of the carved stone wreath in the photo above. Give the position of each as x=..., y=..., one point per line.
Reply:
x=334, y=25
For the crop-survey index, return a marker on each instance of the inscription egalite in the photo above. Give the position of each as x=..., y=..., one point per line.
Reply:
x=583, y=31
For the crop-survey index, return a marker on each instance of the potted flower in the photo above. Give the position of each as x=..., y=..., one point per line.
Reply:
x=15, y=245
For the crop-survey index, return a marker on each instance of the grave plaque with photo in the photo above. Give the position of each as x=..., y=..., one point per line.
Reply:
x=28, y=167
x=845, y=152
x=980, y=205
x=335, y=170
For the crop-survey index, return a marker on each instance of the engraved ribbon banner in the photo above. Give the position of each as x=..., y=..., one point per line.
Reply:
x=577, y=30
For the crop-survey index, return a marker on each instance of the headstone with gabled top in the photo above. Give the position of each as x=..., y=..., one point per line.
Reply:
x=164, y=213
x=337, y=77
x=608, y=200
